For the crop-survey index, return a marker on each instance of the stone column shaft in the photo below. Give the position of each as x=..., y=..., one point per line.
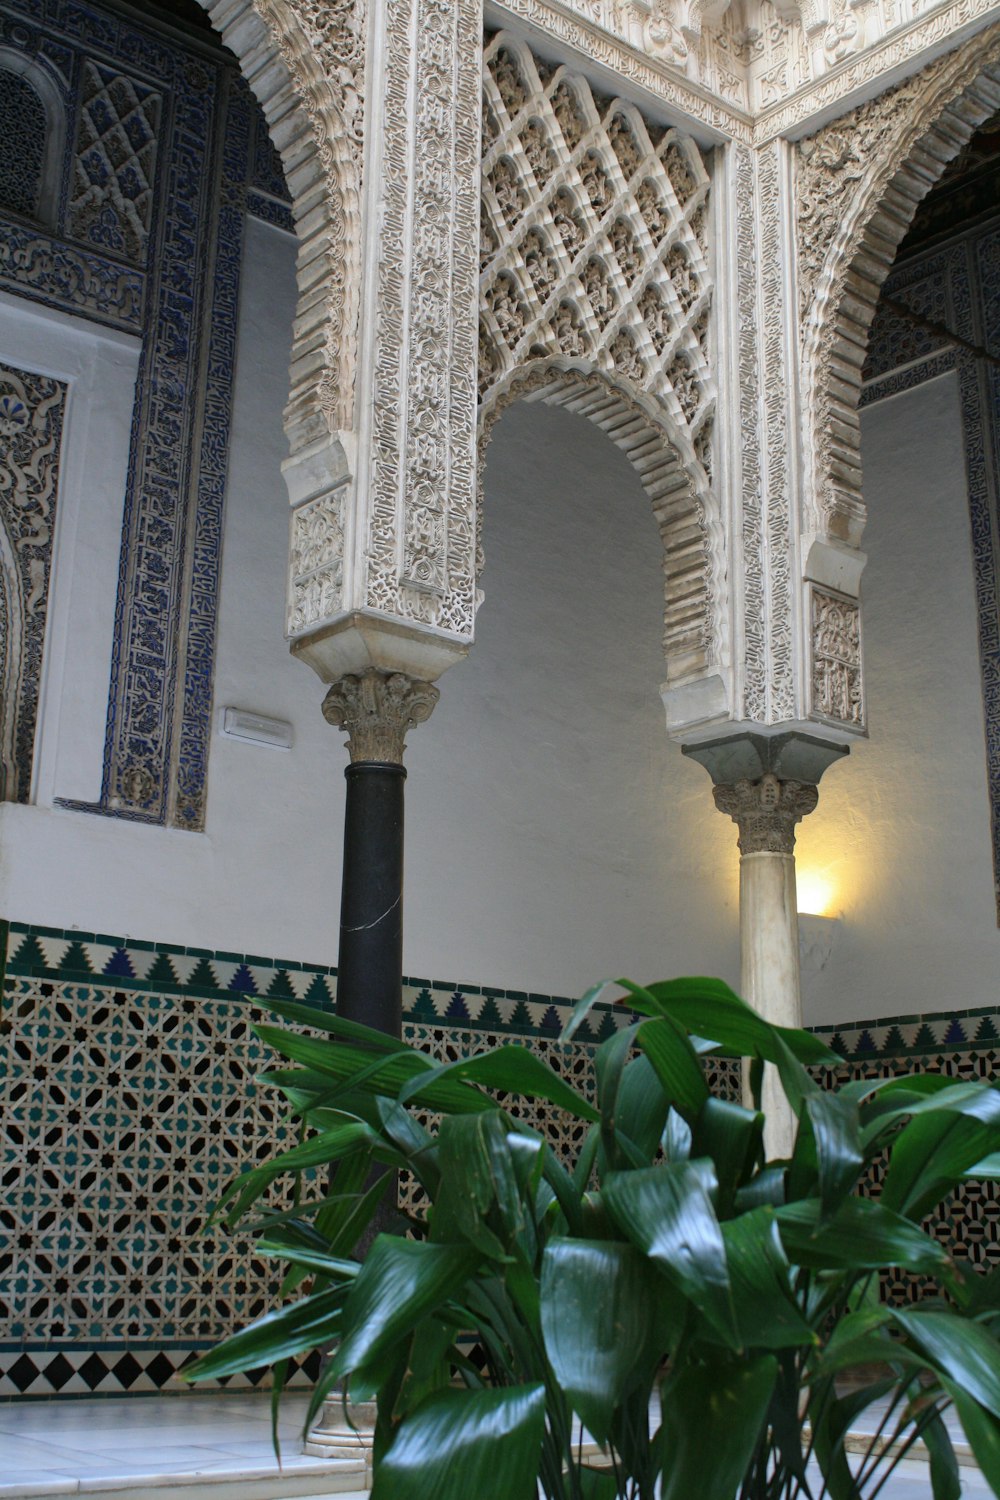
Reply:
x=766, y=812
x=376, y=710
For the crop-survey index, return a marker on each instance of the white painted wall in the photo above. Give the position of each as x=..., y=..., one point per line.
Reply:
x=554, y=834
x=901, y=833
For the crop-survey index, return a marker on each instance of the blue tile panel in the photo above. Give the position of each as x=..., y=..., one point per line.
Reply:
x=958, y=285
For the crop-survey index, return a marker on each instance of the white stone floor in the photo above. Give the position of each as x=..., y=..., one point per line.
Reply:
x=213, y=1447
x=197, y=1447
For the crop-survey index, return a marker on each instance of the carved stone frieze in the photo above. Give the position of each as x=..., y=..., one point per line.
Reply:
x=837, y=685
x=766, y=811
x=753, y=68
x=421, y=539
x=377, y=709
x=316, y=560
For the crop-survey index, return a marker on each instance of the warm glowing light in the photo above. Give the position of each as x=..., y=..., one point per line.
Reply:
x=816, y=893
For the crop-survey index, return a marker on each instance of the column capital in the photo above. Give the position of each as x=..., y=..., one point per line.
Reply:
x=766, y=811
x=376, y=709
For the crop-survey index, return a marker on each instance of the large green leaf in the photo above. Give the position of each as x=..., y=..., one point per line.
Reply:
x=713, y=1415
x=945, y=1482
x=959, y=1348
x=642, y=1106
x=680, y=1073
x=667, y=1211
x=478, y=1182
x=597, y=1301
x=862, y=1235
x=731, y=1137
x=981, y=1428
x=466, y=1443
x=835, y=1129
x=948, y=1134
x=516, y=1069
x=709, y=1008
x=400, y=1282
x=347, y=1137
x=305, y=1325
x=338, y=1061
x=766, y=1311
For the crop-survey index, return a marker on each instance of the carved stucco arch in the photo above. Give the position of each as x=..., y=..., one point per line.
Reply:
x=860, y=180
x=305, y=65
x=695, y=639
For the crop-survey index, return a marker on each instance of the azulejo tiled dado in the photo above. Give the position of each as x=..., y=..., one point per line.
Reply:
x=127, y=1093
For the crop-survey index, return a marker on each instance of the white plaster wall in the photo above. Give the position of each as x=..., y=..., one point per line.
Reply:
x=264, y=876
x=555, y=835
x=901, y=833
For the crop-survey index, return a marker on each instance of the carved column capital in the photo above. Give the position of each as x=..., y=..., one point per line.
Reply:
x=766, y=811
x=376, y=709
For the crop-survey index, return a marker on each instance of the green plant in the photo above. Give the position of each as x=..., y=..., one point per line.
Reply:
x=669, y=1256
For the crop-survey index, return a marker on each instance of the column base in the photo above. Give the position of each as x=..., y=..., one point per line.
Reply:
x=344, y=1435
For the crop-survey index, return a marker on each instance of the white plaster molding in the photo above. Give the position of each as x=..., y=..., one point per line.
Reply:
x=761, y=68
x=858, y=184
x=304, y=61
x=696, y=611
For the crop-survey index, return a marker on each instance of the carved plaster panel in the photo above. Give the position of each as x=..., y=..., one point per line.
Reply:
x=31, y=419
x=837, y=687
x=858, y=183
x=316, y=560
x=753, y=68
x=593, y=239
x=305, y=62
x=420, y=556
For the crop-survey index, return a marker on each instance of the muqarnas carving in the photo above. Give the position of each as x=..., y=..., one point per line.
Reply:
x=31, y=419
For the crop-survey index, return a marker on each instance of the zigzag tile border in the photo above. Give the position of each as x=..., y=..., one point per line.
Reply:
x=39, y=952
x=39, y=1373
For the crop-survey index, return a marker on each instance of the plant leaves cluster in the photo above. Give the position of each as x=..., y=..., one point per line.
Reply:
x=670, y=1260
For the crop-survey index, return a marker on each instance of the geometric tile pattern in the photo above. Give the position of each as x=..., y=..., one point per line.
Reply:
x=36, y=1372
x=128, y=1103
x=957, y=285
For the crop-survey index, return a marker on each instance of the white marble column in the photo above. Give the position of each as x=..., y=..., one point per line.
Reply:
x=766, y=812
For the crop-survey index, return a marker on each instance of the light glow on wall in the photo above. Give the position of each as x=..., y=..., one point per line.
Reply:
x=816, y=893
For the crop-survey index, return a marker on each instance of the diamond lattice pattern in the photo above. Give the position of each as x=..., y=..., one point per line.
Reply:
x=593, y=237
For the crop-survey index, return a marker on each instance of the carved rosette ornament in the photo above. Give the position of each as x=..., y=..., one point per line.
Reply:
x=376, y=709
x=766, y=811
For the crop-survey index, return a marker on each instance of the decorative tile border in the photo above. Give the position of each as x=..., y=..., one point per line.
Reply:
x=37, y=1372
x=39, y=952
